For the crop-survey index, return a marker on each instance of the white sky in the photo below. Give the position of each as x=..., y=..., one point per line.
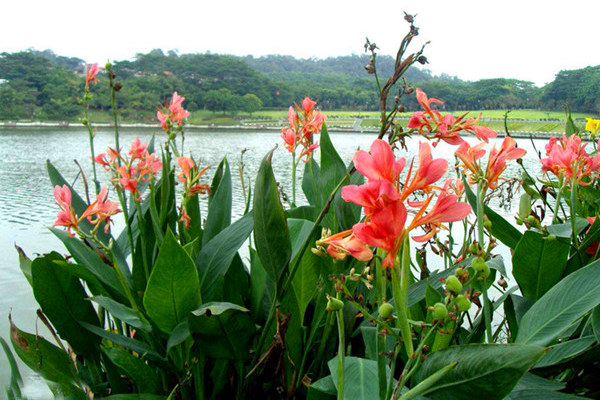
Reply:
x=524, y=39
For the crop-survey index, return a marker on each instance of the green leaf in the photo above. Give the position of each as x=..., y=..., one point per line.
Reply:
x=172, y=290
x=223, y=330
x=570, y=127
x=561, y=306
x=369, y=336
x=144, y=377
x=271, y=233
x=564, y=230
x=501, y=228
x=360, y=378
x=596, y=323
x=43, y=357
x=217, y=255
x=538, y=264
x=332, y=172
x=323, y=389
x=64, y=301
x=310, y=183
x=262, y=288
x=306, y=278
x=132, y=344
x=490, y=370
x=88, y=257
x=24, y=263
x=303, y=212
x=123, y=313
x=347, y=213
x=219, y=205
x=533, y=387
x=15, y=376
x=179, y=335
x=563, y=352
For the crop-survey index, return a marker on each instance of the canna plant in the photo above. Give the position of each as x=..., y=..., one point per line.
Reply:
x=333, y=298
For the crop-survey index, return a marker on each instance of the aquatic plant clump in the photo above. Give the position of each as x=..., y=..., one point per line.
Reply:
x=335, y=297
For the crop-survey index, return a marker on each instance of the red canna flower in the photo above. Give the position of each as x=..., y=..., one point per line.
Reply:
x=343, y=243
x=372, y=196
x=190, y=176
x=127, y=180
x=137, y=149
x=429, y=172
x=90, y=74
x=66, y=216
x=101, y=210
x=379, y=163
x=567, y=158
x=289, y=138
x=308, y=105
x=175, y=114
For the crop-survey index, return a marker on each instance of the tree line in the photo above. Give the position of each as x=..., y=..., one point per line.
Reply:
x=42, y=85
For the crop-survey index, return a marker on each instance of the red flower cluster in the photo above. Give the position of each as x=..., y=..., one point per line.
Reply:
x=101, y=210
x=129, y=171
x=567, y=158
x=470, y=155
x=382, y=201
x=175, y=113
x=431, y=124
x=301, y=129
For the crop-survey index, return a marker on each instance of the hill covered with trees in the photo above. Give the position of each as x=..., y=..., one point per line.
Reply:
x=38, y=85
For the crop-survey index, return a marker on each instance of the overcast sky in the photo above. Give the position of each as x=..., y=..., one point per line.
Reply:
x=472, y=39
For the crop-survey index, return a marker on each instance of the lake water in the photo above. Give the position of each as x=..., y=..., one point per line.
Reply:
x=27, y=205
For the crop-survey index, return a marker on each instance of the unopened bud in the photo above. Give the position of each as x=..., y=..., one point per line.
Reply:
x=386, y=310
x=524, y=205
x=84, y=121
x=519, y=221
x=108, y=65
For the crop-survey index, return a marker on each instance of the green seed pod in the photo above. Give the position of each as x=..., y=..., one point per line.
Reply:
x=386, y=310
x=479, y=264
x=551, y=238
x=487, y=224
x=334, y=304
x=440, y=312
x=462, y=303
x=531, y=220
x=519, y=221
x=108, y=65
x=459, y=272
x=453, y=284
x=474, y=248
x=84, y=121
x=485, y=272
x=524, y=205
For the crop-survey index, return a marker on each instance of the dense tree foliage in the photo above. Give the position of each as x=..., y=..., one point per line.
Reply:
x=42, y=85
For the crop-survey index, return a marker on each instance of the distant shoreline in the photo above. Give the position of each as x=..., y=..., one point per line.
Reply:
x=214, y=127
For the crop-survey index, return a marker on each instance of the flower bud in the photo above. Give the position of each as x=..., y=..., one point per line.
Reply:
x=334, y=304
x=386, y=310
x=462, y=303
x=524, y=205
x=453, y=284
x=440, y=312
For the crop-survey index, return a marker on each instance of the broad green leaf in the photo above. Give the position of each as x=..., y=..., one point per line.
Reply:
x=223, y=330
x=306, y=278
x=219, y=204
x=347, y=214
x=173, y=287
x=262, y=289
x=596, y=323
x=216, y=256
x=360, y=378
x=64, y=301
x=83, y=273
x=88, y=257
x=303, y=212
x=144, y=377
x=271, y=233
x=236, y=282
x=490, y=370
x=43, y=357
x=564, y=230
x=332, y=172
x=565, y=351
x=532, y=381
x=310, y=183
x=179, y=335
x=561, y=306
x=570, y=127
x=15, y=376
x=501, y=228
x=538, y=264
x=123, y=313
x=323, y=389
x=535, y=394
x=369, y=336
x=24, y=263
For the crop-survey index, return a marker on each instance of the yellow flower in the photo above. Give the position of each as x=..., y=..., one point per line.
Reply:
x=592, y=126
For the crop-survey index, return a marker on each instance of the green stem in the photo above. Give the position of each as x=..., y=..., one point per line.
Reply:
x=480, y=230
x=113, y=103
x=558, y=196
x=423, y=387
x=380, y=285
x=573, y=212
x=142, y=229
x=400, y=283
x=341, y=351
x=198, y=373
x=91, y=138
x=123, y=201
x=294, y=178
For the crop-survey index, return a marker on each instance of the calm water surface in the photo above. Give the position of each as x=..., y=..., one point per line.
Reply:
x=27, y=205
